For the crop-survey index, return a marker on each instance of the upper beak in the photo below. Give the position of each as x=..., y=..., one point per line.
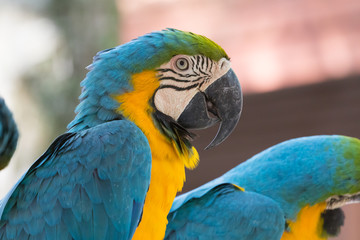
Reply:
x=223, y=100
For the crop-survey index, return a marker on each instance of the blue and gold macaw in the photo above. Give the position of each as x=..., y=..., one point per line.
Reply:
x=293, y=191
x=115, y=173
x=8, y=135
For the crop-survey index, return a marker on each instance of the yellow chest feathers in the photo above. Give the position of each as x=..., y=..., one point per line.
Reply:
x=308, y=225
x=168, y=165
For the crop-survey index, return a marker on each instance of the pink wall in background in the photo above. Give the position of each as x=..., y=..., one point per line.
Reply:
x=273, y=44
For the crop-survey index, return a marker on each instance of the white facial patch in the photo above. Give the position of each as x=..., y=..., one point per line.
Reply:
x=184, y=76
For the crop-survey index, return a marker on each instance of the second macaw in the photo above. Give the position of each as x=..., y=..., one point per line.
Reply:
x=116, y=172
x=8, y=134
x=293, y=191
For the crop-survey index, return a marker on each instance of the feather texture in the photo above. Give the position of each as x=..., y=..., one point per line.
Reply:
x=225, y=212
x=73, y=193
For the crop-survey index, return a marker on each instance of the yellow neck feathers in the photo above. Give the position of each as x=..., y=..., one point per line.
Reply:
x=168, y=165
x=308, y=224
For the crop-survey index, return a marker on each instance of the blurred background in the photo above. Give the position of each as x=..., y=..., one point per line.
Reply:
x=298, y=63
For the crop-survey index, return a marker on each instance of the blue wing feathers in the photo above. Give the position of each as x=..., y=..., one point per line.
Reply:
x=100, y=222
x=80, y=188
x=53, y=217
x=135, y=216
x=92, y=189
x=11, y=232
x=71, y=224
x=253, y=216
x=35, y=226
x=82, y=207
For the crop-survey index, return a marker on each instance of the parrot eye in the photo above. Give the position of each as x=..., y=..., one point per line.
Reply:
x=182, y=64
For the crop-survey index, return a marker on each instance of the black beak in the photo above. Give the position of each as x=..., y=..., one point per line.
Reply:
x=221, y=101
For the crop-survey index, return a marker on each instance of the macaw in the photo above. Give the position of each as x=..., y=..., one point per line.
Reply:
x=291, y=191
x=8, y=135
x=115, y=173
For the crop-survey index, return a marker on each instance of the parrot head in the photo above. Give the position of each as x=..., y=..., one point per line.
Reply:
x=181, y=80
x=201, y=92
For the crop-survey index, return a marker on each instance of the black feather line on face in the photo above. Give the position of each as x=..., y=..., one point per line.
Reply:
x=172, y=130
x=333, y=221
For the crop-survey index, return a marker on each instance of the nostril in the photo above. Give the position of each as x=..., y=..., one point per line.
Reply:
x=210, y=105
x=211, y=109
x=222, y=64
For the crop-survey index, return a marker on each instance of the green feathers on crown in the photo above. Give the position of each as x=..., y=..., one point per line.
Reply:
x=192, y=44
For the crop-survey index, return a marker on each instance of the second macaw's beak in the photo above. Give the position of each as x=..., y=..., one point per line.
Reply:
x=220, y=102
